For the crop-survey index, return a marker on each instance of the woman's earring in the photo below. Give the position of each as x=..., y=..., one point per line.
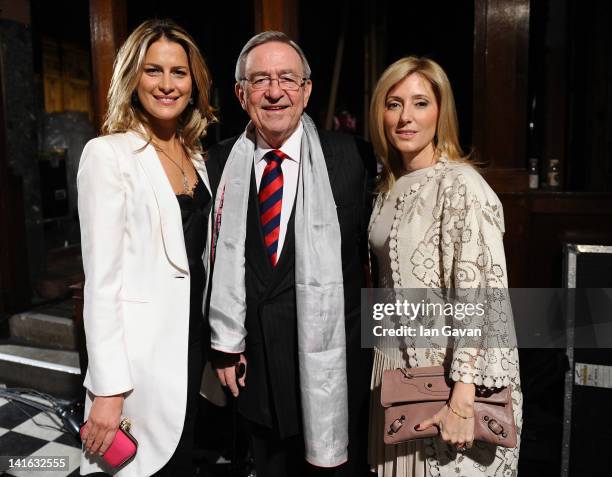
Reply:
x=191, y=100
x=134, y=98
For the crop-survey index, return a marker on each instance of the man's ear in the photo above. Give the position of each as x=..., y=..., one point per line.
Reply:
x=240, y=94
x=307, y=91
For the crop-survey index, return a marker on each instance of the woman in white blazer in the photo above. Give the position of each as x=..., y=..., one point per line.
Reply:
x=144, y=202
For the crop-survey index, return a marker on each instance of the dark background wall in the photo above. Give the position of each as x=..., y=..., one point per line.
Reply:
x=401, y=29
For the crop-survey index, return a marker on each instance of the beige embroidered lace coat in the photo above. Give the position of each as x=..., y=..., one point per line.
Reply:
x=442, y=227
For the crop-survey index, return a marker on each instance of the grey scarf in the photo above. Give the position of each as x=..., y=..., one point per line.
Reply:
x=318, y=283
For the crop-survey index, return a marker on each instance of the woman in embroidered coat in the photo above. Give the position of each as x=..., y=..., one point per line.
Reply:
x=436, y=224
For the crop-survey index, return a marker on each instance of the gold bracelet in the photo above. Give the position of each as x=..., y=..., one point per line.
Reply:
x=457, y=414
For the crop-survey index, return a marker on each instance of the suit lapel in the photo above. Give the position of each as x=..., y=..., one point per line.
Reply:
x=169, y=210
x=328, y=154
x=255, y=249
x=200, y=167
x=286, y=261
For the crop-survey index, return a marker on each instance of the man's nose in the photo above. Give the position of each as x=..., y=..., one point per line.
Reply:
x=275, y=91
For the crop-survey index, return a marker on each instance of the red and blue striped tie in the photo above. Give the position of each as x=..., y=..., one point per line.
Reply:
x=270, y=201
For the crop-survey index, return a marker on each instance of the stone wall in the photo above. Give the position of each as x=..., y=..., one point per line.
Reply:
x=16, y=61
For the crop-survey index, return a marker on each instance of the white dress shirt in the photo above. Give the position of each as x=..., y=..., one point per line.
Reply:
x=291, y=170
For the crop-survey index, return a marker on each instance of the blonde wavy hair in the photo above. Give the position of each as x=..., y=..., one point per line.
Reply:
x=125, y=112
x=446, y=140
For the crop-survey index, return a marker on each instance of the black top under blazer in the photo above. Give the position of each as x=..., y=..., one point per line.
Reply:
x=271, y=397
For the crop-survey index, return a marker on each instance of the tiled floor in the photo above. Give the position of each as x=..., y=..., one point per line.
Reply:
x=24, y=431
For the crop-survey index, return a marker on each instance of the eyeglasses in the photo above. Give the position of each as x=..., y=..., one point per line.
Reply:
x=285, y=82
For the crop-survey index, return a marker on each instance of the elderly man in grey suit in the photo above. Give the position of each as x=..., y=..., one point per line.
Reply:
x=291, y=210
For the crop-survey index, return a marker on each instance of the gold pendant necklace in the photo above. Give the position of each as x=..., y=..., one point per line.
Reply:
x=185, y=179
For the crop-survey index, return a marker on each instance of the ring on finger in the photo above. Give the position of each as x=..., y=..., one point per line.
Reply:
x=462, y=448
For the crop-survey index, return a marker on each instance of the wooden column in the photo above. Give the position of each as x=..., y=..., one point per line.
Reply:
x=501, y=45
x=108, y=24
x=277, y=15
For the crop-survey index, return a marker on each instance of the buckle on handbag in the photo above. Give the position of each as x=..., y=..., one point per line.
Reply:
x=396, y=425
x=495, y=427
x=406, y=373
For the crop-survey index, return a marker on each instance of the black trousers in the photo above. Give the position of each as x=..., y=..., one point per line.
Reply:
x=181, y=463
x=275, y=457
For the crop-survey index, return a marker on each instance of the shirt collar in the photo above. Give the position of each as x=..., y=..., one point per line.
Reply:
x=291, y=147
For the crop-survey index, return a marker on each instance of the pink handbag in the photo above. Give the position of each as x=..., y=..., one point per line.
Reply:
x=411, y=395
x=123, y=448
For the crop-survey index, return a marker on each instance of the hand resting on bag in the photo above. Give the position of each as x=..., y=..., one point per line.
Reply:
x=455, y=430
x=102, y=424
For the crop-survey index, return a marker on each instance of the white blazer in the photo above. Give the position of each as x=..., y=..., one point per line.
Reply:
x=136, y=308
